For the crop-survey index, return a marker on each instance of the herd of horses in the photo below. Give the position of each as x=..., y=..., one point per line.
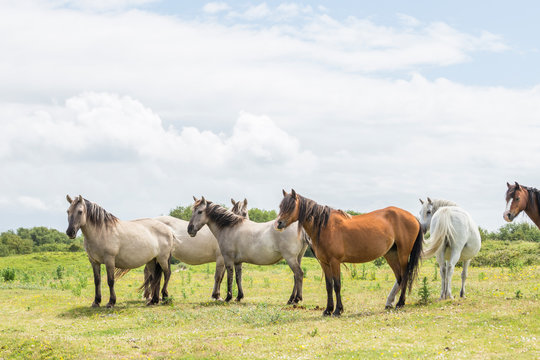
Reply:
x=335, y=237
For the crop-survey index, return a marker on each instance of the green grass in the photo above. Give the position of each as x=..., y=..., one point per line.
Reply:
x=44, y=315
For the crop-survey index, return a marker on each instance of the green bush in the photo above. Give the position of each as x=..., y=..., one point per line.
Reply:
x=507, y=253
x=8, y=274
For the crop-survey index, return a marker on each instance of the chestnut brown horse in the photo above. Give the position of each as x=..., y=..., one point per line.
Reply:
x=522, y=198
x=338, y=237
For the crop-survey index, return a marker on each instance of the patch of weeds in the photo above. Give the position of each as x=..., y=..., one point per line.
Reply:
x=266, y=282
x=482, y=276
x=59, y=273
x=379, y=262
x=435, y=272
x=8, y=274
x=263, y=315
x=519, y=294
x=313, y=332
x=304, y=269
x=354, y=272
x=424, y=292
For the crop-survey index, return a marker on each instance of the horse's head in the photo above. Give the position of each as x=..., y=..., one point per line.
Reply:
x=76, y=215
x=288, y=210
x=516, y=201
x=426, y=213
x=199, y=218
x=240, y=208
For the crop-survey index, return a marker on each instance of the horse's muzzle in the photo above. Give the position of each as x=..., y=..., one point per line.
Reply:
x=191, y=230
x=508, y=216
x=279, y=224
x=71, y=233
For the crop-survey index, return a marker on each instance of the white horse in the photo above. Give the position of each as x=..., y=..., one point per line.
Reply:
x=201, y=249
x=241, y=240
x=454, y=237
x=121, y=245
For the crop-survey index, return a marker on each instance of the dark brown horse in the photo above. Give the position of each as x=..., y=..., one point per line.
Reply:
x=338, y=237
x=520, y=198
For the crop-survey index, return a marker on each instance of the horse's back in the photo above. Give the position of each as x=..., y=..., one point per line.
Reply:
x=200, y=249
x=467, y=236
x=141, y=240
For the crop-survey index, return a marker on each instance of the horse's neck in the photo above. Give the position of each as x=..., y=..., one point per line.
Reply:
x=91, y=232
x=215, y=229
x=311, y=230
x=532, y=210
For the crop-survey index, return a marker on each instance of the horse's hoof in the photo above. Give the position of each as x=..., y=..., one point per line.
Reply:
x=238, y=299
x=388, y=307
x=327, y=313
x=228, y=298
x=95, y=305
x=336, y=314
x=110, y=306
x=399, y=306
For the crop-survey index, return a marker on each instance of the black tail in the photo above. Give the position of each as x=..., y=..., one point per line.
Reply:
x=414, y=259
x=152, y=279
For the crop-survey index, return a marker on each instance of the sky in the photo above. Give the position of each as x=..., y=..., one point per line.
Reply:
x=138, y=105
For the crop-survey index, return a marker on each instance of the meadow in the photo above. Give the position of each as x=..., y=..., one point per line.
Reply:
x=45, y=313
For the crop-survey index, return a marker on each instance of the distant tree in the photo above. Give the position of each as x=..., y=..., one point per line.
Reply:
x=11, y=243
x=514, y=232
x=259, y=215
x=181, y=212
x=41, y=235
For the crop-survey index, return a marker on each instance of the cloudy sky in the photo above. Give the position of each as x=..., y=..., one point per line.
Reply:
x=138, y=105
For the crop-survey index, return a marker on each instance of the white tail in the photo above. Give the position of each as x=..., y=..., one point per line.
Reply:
x=443, y=229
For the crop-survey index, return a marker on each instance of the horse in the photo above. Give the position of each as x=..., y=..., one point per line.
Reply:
x=338, y=237
x=454, y=237
x=522, y=198
x=201, y=249
x=121, y=245
x=241, y=240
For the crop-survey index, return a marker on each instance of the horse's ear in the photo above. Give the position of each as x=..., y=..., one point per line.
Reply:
x=245, y=202
x=508, y=185
x=293, y=193
x=284, y=192
x=233, y=202
x=429, y=200
x=81, y=198
x=69, y=199
x=517, y=185
x=203, y=201
x=421, y=201
x=195, y=199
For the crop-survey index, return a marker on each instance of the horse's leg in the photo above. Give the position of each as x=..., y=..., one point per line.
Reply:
x=96, y=268
x=403, y=259
x=392, y=260
x=166, y=266
x=218, y=277
x=329, y=290
x=464, y=277
x=336, y=275
x=442, y=270
x=238, y=273
x=230, y=269
x=109, y=266
x=296, y=295
x=454, y=258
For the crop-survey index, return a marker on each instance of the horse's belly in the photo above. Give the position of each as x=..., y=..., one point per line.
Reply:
x=195, y=253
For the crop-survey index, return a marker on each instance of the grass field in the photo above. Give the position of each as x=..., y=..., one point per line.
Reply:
x=45, y=313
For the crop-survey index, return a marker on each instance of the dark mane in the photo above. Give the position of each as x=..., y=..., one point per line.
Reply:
x=221, y=216
x=98, y=215
x=309, y=210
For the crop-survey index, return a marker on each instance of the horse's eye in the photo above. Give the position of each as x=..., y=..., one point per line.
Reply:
x=517, y=199
x=80, y=212
x=429, y=212
x=199, y=212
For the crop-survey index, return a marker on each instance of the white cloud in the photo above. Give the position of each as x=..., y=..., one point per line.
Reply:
x=32, y=203
x=105, y=5
x=207, y=108
x=215, y=7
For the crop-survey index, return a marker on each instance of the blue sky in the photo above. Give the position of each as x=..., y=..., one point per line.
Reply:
x=138, y=105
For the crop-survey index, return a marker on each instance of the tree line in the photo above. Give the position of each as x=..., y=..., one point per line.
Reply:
x=40, y=239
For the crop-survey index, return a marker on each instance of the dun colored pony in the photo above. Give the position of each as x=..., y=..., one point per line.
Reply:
x=454, y=237
x=201, y=249
x=241, y=240
x=121, y=245
x=522, y=198
x=338, y=237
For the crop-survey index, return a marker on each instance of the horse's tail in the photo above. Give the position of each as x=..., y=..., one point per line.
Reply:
x=442, y=230
x=151, y=280
x=118, y=273
x=414, y=259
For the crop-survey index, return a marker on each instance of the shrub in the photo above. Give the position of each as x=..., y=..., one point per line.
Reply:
x=8, y=274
